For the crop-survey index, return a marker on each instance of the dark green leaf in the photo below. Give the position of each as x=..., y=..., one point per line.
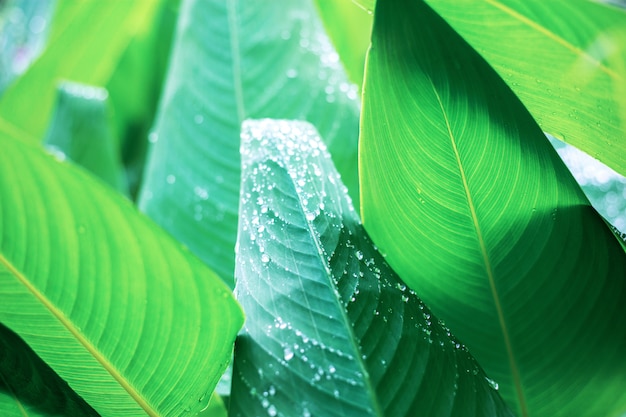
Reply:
x=28, y=387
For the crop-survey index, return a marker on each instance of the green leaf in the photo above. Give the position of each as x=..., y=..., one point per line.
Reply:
x=233, y=61
x=331, y=329
x=80, y=129
x=565, y=59
x=349, y=27
x=475, y=210
x=86, y=42
x=216, y=408
x=28, y=387
x=133, y=323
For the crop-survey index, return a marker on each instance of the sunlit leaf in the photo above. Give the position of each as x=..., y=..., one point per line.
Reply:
x=473, y=207
x=349, y=27
x=86, y=41
x=331, y=329
x=132, y=322
x=234, y=60
x=565, y=59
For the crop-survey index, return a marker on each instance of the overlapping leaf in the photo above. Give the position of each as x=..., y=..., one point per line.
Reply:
x=477, y=213
x=132, y=322
x=28, y=387
x=80, y=130
x=232, y=60
x=331, y=330
x=566, y=60
x=85, y=44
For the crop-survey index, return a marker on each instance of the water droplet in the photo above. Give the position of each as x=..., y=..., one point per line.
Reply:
x=310, y=216
x=272, y=410
x=292, y=73
x=359, y=255
x=264, y=258
x=332, y=369
x=288, y=354
x=493, y=384
x=170, y=179
x=198, y=118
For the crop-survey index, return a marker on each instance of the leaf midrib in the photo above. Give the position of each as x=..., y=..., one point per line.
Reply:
x=344, y=317
x=554, y=37
x=69, y=325
x=486, y=260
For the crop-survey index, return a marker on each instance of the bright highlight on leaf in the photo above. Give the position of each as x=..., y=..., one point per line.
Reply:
x=477, y=213
x=565, y=59
x=132, y=322
x=331, y=330
x=233, y=60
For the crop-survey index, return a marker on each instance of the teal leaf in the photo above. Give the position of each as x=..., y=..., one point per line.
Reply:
x=232, y=61
x=80, y=130
x=331, y=330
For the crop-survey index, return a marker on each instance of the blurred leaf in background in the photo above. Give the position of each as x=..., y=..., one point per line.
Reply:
x=24, y=27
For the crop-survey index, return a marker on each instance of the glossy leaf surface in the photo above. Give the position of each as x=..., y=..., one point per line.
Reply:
x=132, y=322
x=331, y=330
x=463, y=192
x=80, y=130
x=234, y=60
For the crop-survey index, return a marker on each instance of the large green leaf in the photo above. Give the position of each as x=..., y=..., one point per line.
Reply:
x=87, y=40
x=131, y=321
x=463, y=192
x=565, y=59
x=80, y=130
x=567, y=65
x=28, y=387
x=236, y=59
x=331, y=329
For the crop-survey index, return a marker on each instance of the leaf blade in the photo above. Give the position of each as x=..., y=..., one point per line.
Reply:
x=240, y=74
x=331, y=329
x=458, y=179
x=107, y=324
x=568, y=65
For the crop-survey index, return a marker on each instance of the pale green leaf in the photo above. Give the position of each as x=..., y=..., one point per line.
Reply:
x=331, y=329
x=475, y=210
x=130, y=320
x=234, y=60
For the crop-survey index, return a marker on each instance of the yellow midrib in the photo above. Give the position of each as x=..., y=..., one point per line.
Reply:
x=488, y=268
x=556, y=38
x=67, y=323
